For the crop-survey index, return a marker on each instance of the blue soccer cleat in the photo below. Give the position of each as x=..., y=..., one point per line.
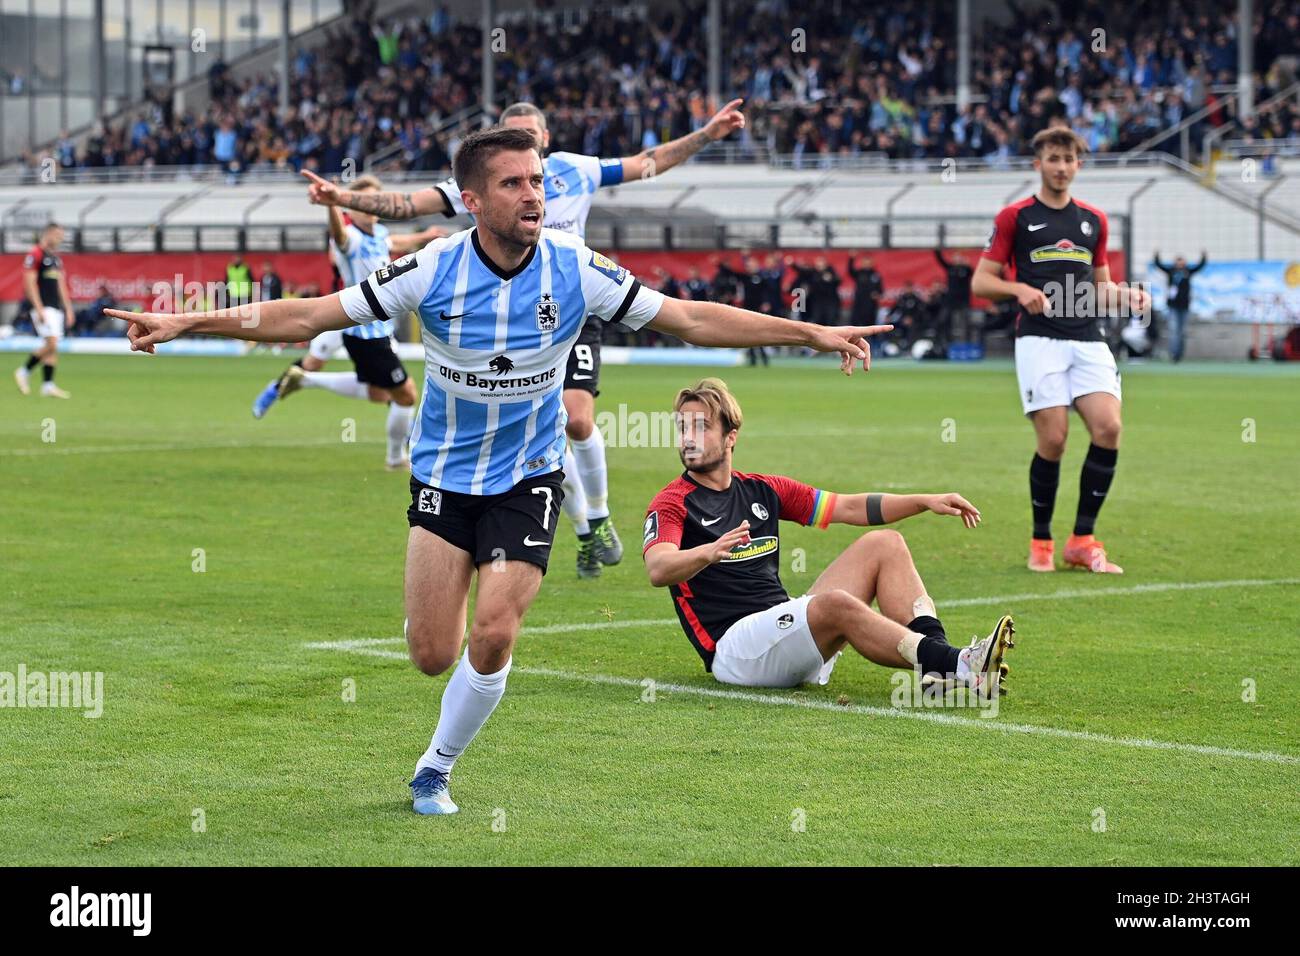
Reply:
x=429, y=788
x=265, y=399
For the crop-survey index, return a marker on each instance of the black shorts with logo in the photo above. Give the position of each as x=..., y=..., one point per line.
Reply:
x=583, y=370
x=376, y=361
x=515, y=525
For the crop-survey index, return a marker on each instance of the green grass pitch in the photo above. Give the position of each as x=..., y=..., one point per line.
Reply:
x=226, y=739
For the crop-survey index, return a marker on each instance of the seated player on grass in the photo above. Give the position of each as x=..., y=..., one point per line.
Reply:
x=711, y=538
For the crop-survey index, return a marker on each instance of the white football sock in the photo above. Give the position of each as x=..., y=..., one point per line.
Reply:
x=467, y=703
x=399, y=428
x=575, y=500
x=342, y=383
x=964, y=671
x=590, y=454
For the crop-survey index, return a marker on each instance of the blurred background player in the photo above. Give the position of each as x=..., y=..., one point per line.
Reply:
x=953, y=303
x=867, y=289
x=1179, y=300
x=357, y=248
x=46, y=289
x=1056, y=246
x=719, y=529
x=571, y=183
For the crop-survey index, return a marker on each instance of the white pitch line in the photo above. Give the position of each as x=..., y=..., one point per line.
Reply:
x=178, y=446
x=1110, y=591
x=368, y=646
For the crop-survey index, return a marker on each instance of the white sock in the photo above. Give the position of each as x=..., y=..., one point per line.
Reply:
x=342, y=383
x=963, y=665
x=590, y=454
x=399, y=429
x=467, y=703
x=575, y=500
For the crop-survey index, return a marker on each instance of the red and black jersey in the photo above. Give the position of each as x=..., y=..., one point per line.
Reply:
x=49, y=268
x=1046, y=246
x=748, y=580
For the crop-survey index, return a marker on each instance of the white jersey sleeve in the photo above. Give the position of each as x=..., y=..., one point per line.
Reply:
x=451, y=192
x=598, y=172
x=393, y=290
x=613, y=293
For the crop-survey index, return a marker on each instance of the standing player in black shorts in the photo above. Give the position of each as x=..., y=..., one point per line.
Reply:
x=1055, y=247
x=572, y=181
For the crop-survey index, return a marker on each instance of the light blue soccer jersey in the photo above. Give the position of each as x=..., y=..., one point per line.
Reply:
x=361, y=255
x=495, y=348
x=571, y=181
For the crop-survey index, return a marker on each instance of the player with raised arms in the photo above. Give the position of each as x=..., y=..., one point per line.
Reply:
x=358, y=247
x=571, y=183
x=712, y=538
x=1055, y=248
x=500, y=306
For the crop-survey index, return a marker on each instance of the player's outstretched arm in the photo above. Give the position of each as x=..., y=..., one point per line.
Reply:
x=667, y=564
x=877, y=509
x=400, y=245
x=423, y=202
x=659, y=159
x=281, y=320
x=714, y=325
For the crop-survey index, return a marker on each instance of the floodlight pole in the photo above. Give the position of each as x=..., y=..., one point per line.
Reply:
x=284, y=59
x=489, y=74
x=963, y=54
x=1245, y=60
x=715, y=54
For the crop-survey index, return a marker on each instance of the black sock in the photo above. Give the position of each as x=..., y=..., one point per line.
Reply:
x=1044, y=476
x=299, y=364
x=48, y=372
x=934, y=655
x=597, y=522
x=32, y=362
x=1094, y=482
x=927, y=626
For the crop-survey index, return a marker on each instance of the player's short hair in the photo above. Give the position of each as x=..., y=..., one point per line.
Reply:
x=367, y=182
x=523, y=109
x=49, y=227
x=469, y=168
x=1061, y=136
x=714, y=395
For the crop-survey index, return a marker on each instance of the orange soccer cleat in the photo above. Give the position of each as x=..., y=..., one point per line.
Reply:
x=1041, y=555
x=1085, y=551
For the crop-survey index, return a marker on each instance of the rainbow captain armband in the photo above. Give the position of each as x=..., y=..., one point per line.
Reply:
x=823, y=507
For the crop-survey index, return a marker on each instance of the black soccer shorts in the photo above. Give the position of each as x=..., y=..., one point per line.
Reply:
x=583, y=370
x=515, y=525
x=376, y=361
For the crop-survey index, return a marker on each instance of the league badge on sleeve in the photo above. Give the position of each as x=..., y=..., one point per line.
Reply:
x=395, y=268
x=608, y=267
x=651, y=528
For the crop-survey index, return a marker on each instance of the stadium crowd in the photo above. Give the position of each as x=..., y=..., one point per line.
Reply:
x=616, y=84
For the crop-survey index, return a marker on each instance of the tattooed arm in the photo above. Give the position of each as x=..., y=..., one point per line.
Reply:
x=423, y=202
x=659, y=159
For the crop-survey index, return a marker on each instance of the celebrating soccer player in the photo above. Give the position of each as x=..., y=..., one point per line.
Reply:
x=571, y=183
x=1060, y=277
x=501, y=306
x=712, y=538
x=357, y=248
